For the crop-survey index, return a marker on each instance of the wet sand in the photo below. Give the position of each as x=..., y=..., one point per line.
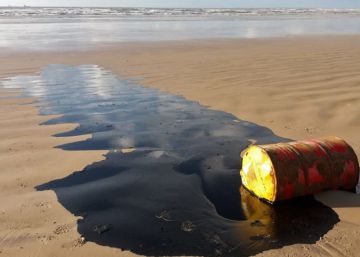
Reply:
x=252, y=79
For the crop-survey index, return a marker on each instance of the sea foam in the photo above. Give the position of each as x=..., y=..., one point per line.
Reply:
x=188, y=12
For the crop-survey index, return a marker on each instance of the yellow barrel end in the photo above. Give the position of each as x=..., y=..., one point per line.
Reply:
x=258, y=174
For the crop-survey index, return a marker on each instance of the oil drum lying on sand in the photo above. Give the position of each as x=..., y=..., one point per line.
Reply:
x=285, y=170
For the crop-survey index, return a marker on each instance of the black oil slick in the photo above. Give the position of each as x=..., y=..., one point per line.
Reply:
x=178, y=191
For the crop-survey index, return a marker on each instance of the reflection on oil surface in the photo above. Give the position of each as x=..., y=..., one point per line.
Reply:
x=176, y=191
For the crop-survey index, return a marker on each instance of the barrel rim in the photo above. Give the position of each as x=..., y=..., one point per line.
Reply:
x=272, y=200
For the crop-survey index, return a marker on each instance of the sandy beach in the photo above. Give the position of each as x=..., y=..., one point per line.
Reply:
x=253, y=79
x=299, y=87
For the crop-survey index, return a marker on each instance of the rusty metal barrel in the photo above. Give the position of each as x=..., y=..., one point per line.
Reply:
x=282, y=171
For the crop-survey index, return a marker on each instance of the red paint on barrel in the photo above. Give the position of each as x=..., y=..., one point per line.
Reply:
x=349, y=172
x=289, y=190
x=319, y=152
x=314, y=175
x=301, y=177
x=339, y=148
x=281, y=155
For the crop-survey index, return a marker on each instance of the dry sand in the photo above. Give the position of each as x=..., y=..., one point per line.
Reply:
x=299, y=87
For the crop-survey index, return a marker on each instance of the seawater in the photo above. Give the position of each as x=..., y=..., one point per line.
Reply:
x=58, y=29
x=178, y=192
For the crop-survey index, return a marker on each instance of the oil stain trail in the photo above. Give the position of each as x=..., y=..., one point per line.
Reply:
x=178, y=192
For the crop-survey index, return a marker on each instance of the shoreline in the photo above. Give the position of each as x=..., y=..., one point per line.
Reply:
x=211, y=73
x=131, y=46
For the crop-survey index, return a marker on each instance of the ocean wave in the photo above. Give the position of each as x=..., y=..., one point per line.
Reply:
x=189, y=12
